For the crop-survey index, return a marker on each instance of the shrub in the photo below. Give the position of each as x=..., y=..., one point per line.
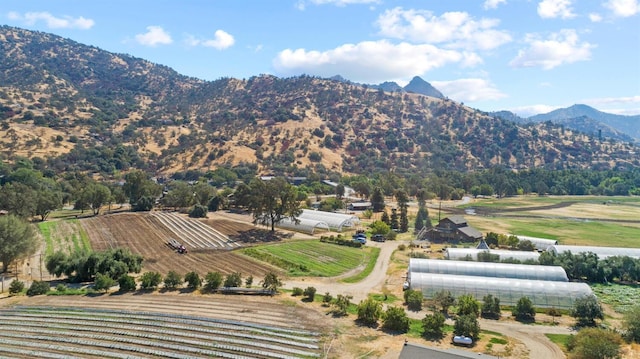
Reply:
x=413, y=299
x=395, y=319
x=341, y=304
x=127, y=283
x=249, y=281
x=172, y=280
x=193, y=280
x=586, y=310
x=198, y=211
x=467, y=325
x=432, y=325
x=61, y=288
x=327, y=298
x=150, y=280
x=631, y=323
x=271, y=282
x=233, y=280
x=38, y=288
x=594, y=343
x=490, y=307
x=103, y=282
x=296, y=291
x=213, y=281
x=16, y=287
x=402, y=247
x=524, y=310
x=369, y=311
x=309, y=293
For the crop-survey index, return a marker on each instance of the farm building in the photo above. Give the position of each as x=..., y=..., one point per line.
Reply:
x=483, y=269
x=601, y=252
x=544, y=294
x=303, y=225
x=359, y=206
x=336, y=221
x=541, y=244
x=453, y=229
x=472, y=254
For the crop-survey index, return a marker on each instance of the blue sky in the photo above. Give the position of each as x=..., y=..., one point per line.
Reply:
x=527, y=56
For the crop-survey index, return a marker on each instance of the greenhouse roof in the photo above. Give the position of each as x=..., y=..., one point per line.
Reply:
x=602, y=252
x=336, y=221
x=541, y=244
x=542, y=293
x=461, y=253
x=304, y=225
x=484, y=269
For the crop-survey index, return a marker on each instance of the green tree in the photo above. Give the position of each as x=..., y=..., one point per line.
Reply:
x=413, y=299
x=18, y=199
x=377, y=199
x=309, y=293
x=594, y=343
x=341, y=304
x=433, y=325
x=385, y=219
x=233, y=280
x=468, y=305
x=631, y=323
x=443, y=300
x=327, y=298
x=203, y=192
x=402, y=199
x=369, y=311
x=150, y=280
x=395, y=319
x=16, y=287
x=95, y=196
x=47, y=200
x=586, y=310
x=199, y=211
x=524, y=310
x=339, y=191
x=273, y=200
x=17, y=240
x=194, y=281
x=127, y=283
x=103, y=282
x=249, y=281
x=490, y=307
x=38, y=288
x=213, y=280
x=180, y=195
x=172, y=280
x=140, y=190
x=394, y=224
x=467, y=325
x=271, y=282
x=379, y=227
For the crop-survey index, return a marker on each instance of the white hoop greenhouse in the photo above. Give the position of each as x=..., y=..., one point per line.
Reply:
x=336, y=221
x=541, y=244
x=483, y=269
x=544, y=294
x=602, y=252
x=463, y=253
x=304, y=225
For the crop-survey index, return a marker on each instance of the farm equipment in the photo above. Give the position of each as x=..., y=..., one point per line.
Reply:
x=177, y=246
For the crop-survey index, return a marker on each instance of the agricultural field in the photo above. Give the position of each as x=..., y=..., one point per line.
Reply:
x=171, y=326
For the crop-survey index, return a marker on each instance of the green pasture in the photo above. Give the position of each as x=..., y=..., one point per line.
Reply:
x=312, y=257
x=619, y=296
x=65, y=235
x=535, y=201
x=565, y=230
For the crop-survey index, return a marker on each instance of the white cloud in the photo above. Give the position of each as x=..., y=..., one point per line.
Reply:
x=368, y=62
x=623, y=8
x=555, y=8
x=452, y=29
x=52, y=22
x=154, y=36
x=560, y=48
x=222, y=40
x=595, y=17
x=629, y=105
x=469, y=90
x=530, y=110
x=492, y=4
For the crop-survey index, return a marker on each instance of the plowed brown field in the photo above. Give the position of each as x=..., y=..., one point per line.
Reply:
x=145, y=235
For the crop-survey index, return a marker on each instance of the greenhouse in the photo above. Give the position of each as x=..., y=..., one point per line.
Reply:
x=541, y=244
x=543, y=294
x=335, y=221
x=303, y=225
x=465, y=253
x=601, y=252
x=484, y=269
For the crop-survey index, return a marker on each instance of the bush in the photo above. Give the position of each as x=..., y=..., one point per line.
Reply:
x=213, y=281
x=524, y=310
x=490, y=307
x=198, y=211
x=38, y=288
x=369, y=311
x=326, y=299
x=127, y=283
x=413, y=299
x=296, y=291
x=309, y=293
x=594, y=343
x=467, y=325
x=16, y=287
x=249, y=281
x=193, y=280
x=586, y=310
x=150, y=280
x=233, y=280
x=631, y=323
x=433, y=325
x=395, y=319
x=341, y=304
x=402, y=247
x=103, y=282
x=61, y=288
x=172, y=280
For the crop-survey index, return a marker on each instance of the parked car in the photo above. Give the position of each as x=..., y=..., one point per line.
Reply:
x=360, y=239
x=378, y=238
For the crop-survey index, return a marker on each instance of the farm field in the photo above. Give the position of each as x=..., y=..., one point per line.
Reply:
x=172, y=326
x=144, y=234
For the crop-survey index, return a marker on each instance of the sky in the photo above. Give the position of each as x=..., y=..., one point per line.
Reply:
x=525, y=56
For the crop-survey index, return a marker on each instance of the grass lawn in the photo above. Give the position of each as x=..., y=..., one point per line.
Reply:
x=313, y=258
x=560, y=340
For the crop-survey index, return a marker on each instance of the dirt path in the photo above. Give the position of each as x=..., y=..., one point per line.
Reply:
x=532, y=336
